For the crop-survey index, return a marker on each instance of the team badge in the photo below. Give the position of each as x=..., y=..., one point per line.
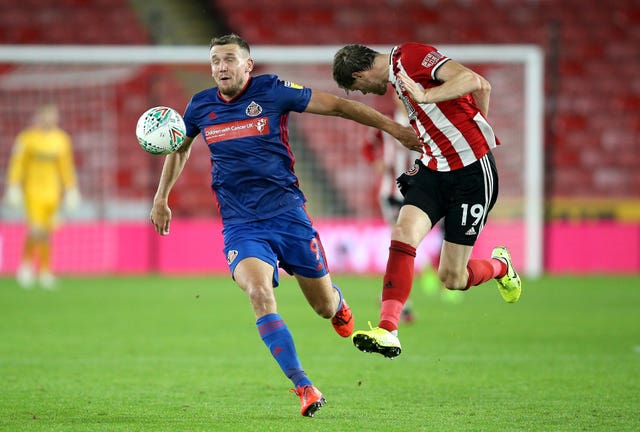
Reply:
x=231, y=256
x=431, y=59
x=253, y=109
x=413, y=171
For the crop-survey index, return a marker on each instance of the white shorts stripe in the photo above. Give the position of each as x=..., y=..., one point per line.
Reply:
x=487, y=175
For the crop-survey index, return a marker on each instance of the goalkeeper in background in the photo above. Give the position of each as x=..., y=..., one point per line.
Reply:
x=40, y=171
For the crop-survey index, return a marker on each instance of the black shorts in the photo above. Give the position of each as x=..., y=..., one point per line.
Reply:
x=462, y=197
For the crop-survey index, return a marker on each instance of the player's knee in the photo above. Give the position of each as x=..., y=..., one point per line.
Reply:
x=325, y=310
x=452, y=279
x=405, y=234
x=259, y=294
x=38, y=233
x=399, y=232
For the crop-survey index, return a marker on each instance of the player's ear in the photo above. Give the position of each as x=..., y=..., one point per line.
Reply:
x=249, y=65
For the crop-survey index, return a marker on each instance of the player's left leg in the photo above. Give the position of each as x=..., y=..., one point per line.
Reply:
x=301, y=254
x=457, y=276
x=453, y=272
x=327, y=300
x=26, y=270
x=47, y=279
x=477, y=189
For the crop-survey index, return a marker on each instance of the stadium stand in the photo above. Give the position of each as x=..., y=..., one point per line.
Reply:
x=592, y=86
x=592, y=60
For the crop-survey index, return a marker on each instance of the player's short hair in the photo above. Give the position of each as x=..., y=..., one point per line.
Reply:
x=349, y=59
x=230, y=38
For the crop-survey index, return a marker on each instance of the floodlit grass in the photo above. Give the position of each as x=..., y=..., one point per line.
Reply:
x=183, y=354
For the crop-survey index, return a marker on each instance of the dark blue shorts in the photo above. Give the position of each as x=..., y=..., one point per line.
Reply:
x=287, y=240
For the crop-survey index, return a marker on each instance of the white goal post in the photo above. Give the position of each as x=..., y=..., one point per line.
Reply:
x=530, y=57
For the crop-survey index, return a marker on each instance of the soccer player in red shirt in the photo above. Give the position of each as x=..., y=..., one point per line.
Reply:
x=455, y=179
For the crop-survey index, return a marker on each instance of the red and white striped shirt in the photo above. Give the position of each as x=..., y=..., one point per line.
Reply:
x=454, y=132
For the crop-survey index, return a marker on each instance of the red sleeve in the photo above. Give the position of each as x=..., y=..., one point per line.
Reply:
x=419, y=61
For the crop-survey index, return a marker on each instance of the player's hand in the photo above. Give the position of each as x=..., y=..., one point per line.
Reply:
x=13, y=196
x=161, y=217
x=71, y=199
x=416, y=93
x=408, y=138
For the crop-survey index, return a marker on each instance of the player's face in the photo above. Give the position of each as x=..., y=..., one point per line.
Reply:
x=47, y=118
x=230, y=68
x=365, y=82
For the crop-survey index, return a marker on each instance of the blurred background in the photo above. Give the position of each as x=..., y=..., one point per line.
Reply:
x=590, y=137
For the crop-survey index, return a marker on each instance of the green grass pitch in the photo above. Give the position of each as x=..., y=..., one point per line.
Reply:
x=183, y=354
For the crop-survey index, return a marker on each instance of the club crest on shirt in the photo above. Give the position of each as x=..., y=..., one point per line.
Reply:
x=431, y=59
x=231, y=256
x=413, y=171
x=253, y=109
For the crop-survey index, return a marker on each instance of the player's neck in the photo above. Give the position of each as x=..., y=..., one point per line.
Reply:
x=381, y=66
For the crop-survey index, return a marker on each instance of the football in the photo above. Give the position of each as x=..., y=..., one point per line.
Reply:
x=161, y=130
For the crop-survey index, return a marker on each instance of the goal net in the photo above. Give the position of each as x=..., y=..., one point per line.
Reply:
x=102, y=90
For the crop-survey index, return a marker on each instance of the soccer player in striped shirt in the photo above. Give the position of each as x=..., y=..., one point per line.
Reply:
x=455, y=179
x=244, y=123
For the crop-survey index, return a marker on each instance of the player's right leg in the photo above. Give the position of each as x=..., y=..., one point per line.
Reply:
x=25, y=276
x=412, y=226
x=253, y=265
x=255, y=277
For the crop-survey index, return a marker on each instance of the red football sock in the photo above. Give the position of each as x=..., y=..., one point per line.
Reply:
x=398, y=280
x=482, y=270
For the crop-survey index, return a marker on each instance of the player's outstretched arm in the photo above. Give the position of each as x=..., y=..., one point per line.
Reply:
x=332, y=105
x=173, y=164
x=457, y=79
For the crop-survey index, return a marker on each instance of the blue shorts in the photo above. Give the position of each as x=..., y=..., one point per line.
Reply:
x=287, y=240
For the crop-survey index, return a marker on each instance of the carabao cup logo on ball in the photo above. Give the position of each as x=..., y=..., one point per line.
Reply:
x=161, y=130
